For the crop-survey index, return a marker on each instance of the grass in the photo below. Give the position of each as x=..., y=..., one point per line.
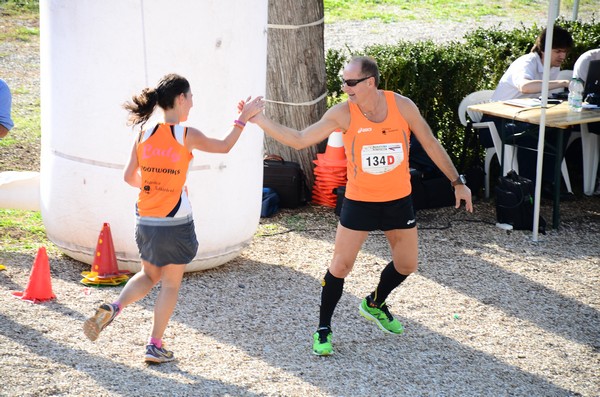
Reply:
x=287, y=222
x=21, y=230
x=442, y=10
x=27, y=128
x=19, y=7
x=15, y=12
x=24, y=33
x=20, y=33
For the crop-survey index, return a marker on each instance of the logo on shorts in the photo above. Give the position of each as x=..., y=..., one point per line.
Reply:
x=410, y=222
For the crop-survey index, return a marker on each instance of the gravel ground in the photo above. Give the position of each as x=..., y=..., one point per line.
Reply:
x=489, y=313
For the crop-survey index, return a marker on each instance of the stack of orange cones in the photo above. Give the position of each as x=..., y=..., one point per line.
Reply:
x=330, y=171
x=105, y=270
x=39, y=287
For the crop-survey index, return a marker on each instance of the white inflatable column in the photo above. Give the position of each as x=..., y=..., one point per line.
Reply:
x=94, y=56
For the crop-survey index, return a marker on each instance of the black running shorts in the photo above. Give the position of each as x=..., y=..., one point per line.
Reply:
x=368, y=216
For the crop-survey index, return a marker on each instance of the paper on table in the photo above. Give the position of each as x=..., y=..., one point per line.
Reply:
x=524, y=102
x=590, y=106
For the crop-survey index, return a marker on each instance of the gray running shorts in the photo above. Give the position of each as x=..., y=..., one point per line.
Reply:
x=164, y=243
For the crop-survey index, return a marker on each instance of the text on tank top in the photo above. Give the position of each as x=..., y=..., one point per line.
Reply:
x=377, y=153
x=164, y=163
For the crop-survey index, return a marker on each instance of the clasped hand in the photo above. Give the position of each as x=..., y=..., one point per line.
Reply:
x=251, y=107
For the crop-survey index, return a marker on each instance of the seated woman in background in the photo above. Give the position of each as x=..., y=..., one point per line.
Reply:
x=523, y=79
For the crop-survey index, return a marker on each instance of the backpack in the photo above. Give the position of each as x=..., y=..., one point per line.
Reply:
x=514, y=202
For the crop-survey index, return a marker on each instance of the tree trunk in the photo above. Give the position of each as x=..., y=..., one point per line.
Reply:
x=295, y=73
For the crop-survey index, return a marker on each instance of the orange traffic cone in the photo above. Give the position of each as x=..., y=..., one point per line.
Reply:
x=330, y=171
x=39, y=287
x=334, y=153
x=105, y=270
x=105, y=260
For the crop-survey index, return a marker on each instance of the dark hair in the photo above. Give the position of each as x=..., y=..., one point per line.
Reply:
x=560, y=39
x=368, y=67
x=168, y=88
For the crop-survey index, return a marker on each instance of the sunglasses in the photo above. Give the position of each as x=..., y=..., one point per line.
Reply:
x=352, y=83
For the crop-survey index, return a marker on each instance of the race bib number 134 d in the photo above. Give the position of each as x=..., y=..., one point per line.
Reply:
x=382, y=158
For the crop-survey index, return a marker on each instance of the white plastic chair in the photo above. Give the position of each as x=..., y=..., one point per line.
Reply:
x=590, y=149
x=510, y=152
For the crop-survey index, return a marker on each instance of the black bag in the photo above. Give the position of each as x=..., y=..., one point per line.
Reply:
x=430, y=187
x=430, y=191
x=270, y=202
x=514, y=202
x=287, y=179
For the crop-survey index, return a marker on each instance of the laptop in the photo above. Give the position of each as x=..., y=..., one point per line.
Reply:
x=592, y=81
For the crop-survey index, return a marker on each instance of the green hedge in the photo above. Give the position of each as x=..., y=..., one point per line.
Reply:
x=438, y=76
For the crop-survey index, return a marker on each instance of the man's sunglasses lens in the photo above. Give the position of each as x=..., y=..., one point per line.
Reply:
x=352, y=83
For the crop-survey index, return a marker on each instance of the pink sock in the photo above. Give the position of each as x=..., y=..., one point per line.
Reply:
x=155, y=341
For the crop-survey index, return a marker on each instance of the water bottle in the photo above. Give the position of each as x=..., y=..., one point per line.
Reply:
x=575, y=94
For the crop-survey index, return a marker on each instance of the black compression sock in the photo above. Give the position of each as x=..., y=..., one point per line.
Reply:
x=389, y=279
x=330, y=296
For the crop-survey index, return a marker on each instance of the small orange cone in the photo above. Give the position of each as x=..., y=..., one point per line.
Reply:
x=105, y=270
x=39, y=287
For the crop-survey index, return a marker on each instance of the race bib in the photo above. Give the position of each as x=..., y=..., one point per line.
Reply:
x=382, y=158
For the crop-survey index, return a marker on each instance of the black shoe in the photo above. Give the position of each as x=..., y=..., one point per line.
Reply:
x=548, y=193
x=158, y=355
x=567, y=196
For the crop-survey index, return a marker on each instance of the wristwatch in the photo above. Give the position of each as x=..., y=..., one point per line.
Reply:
x=461, y=180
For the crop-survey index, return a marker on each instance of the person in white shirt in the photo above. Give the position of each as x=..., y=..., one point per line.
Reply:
x=523, y=79
x=582, y=65
x=580, y=70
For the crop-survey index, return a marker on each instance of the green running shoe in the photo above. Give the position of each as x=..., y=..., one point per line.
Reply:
x=322, y=342
x=380, y=315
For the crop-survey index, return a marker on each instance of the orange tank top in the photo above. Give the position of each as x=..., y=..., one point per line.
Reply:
x=377, y=155
x=164, y=162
